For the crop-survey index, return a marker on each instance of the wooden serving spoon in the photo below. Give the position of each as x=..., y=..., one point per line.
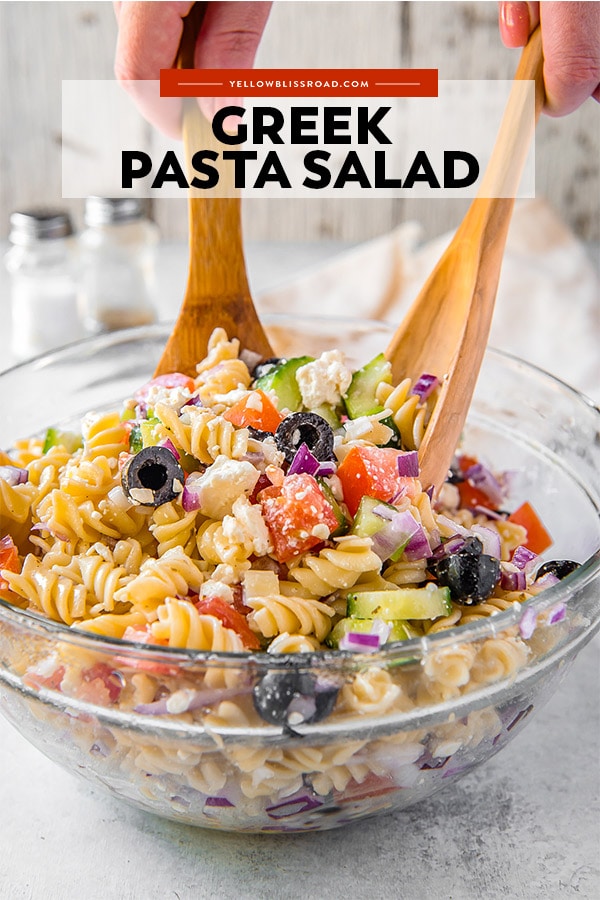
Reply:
x=217, y=292
x=445, y=331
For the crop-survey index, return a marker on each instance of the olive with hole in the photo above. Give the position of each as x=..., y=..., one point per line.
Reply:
x=305, y=428
x=152, y=477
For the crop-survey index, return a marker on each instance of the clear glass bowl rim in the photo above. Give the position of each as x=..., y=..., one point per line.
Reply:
x=565, y=592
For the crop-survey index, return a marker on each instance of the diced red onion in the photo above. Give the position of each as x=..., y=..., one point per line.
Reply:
x=193, y=401
x=292, y=806
x=397, y=532
x=527, y=623
x=512, y=579
x=557, y=614
x=304, y=462
x=488, y=513
x=418, y=547
x=168, y=443
x=13, y=475
x=524, y=559
x=546, y=581
x=327, y=467
x=194, y=700
x=190, y=499
x=359, y=642
x=408, y=464
x=384, y=512
x=453, y=544
x=482, y=478
x=490, y=540
x=425, y=385
x=218, y=801
x=458, y=529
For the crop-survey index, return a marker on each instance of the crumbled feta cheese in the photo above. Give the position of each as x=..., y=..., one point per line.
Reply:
x=320, y=531
x=325, y=380
x=246, y=527
x=175, y=397
x=222, y=484
x=449, y=497
x=369, y=428
x=217, y=589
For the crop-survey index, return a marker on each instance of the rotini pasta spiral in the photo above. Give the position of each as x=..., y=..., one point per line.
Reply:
x=179, y=624
x=292, y=615
x=202, y=434
x=408, y=415
x=336, y=567
x=173, y=575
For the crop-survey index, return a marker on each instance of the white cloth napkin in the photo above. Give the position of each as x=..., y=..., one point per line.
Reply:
x=548, y=304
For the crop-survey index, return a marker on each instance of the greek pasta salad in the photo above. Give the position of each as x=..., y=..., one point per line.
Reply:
x=273, y=507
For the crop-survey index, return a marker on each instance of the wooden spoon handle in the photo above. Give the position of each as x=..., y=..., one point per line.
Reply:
x=217, y=292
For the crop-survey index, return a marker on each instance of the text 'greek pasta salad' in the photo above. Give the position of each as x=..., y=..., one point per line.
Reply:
x=262, y=507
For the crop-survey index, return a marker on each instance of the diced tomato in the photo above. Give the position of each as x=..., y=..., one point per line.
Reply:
x=471, y=496
x=292, y=511
x=52, y=682
x=371, y=471
x=215, y=606
x=254, y=410
x=103, y=673
x=538, y=538
x=172, y=380
x=465, y=462
x=9, y=558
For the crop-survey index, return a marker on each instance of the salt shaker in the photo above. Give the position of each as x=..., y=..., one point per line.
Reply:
x=117, y=264
x=43, y=281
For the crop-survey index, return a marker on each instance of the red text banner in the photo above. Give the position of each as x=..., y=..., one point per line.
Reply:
x=299, y=82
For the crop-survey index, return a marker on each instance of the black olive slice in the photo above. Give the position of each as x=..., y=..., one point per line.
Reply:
x=152, y=477
x=293, y=698
x=305, y=428
x=470, y=575
x=559, y=567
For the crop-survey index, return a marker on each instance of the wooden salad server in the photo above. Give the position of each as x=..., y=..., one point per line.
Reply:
x=217, y=292
x=445, y=331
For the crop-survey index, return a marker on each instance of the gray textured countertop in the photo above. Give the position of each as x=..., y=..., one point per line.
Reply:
x=527, y=825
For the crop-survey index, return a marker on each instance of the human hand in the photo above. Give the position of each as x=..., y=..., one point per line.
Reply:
x=148, y=40
x=571, y=43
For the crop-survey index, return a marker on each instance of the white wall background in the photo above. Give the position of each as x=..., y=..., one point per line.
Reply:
x=43, y=42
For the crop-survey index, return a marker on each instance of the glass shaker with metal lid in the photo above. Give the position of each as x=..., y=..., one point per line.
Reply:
x=43, y=281
x=117, y=264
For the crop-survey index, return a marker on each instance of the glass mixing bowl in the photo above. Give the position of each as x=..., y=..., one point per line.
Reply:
x=175, y=731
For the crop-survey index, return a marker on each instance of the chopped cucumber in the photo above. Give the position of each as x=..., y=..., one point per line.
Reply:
x=282, y=380
x=343, y=523
x=405, y=603
x=366, y=522
x=400, y=630
x=329, y=413
x=360, y=399
x=135, y=439
x=55, y=437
